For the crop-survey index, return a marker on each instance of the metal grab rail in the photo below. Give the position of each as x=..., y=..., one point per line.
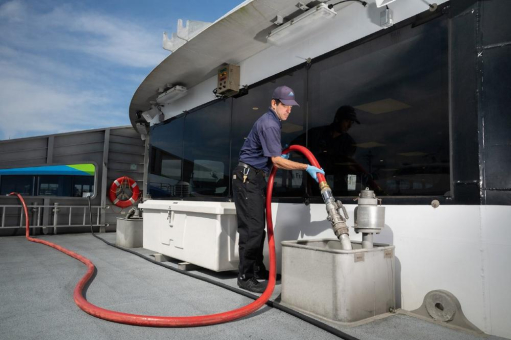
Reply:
x=38, y=210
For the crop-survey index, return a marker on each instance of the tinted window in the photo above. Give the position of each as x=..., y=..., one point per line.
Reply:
x=206, y=150
x=82, y=186
x=166, y=160
x=398, y=85
x=19, y=184
x=53, y=185
x=247, y=109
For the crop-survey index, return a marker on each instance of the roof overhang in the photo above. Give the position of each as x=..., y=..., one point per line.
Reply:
x=233, y=38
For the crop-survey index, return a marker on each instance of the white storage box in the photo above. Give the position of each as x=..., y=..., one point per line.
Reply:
x=201, y=233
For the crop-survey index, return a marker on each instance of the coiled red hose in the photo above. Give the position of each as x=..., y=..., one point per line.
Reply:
x=176, y=321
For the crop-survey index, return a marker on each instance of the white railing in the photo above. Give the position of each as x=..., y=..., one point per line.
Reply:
x=35, y=213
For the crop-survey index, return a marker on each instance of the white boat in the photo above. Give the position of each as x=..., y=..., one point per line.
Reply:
x=433, y=140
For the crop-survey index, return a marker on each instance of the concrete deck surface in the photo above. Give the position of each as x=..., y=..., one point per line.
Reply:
x=36, y=299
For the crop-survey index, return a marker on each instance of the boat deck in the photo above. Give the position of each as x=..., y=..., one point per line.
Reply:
x=36, y=299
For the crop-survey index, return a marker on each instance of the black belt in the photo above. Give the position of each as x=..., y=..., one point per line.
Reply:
x=257, y=171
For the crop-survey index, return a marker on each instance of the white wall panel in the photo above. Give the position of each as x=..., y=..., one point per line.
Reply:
x=463, y=249
x=496, y=222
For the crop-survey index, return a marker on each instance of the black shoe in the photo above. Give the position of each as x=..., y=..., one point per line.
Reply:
x=262, y=275
x=265, y=275
x=260, y=272
x=252, y=285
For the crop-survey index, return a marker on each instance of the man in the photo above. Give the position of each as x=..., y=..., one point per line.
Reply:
x=334, y=139
x=262, y=150
x=334, y=148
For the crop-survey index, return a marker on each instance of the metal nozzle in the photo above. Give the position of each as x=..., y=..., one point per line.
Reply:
x=335, y=217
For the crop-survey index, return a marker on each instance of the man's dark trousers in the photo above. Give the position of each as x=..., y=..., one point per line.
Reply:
x=249, y=199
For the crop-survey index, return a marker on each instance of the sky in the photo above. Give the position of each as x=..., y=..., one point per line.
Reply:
x=75, y=65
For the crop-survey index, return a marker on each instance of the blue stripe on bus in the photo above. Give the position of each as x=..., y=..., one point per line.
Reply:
x=44, y=170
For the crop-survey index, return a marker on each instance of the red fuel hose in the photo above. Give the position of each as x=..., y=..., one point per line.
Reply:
x=310, y=157
x=176, y=321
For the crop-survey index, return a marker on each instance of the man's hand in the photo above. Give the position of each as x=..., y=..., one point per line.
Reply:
x=285, y=156
x=313, y=171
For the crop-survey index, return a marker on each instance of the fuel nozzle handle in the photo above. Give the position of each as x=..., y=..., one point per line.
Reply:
x=337, y=215
x=332, y=206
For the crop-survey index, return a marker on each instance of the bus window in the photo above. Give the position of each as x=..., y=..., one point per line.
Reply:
x=72, y=180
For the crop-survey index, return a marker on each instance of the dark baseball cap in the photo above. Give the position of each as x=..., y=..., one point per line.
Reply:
x=285, y=95
x=346, y=112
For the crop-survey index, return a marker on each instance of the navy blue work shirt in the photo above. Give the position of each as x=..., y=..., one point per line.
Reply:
x=263, y=142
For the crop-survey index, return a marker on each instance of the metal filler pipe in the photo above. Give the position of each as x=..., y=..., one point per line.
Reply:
x=335, y=217
x=333, y=207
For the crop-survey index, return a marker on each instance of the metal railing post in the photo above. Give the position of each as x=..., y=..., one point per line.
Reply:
x=21, y=218
x=55, y=215
x=3, y=217
x=39, y=216
x=34, y=211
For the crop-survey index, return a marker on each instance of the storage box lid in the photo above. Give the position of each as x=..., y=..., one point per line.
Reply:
x=214, y=208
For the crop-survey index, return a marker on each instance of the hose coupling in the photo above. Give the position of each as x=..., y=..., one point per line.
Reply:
x=323, y=185
x=340, y=229
x=337, y=215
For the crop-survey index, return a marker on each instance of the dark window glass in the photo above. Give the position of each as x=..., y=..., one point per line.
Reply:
x=20, y=184
x=82, y=186
x=165, y=160
x=206, y=150
x=247, y=109
x=65, y=186
x=53, y=185
x=398, y=84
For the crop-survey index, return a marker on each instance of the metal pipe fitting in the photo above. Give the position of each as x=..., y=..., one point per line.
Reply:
x=335, y=217
x=369, y=217
x=367, y=241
